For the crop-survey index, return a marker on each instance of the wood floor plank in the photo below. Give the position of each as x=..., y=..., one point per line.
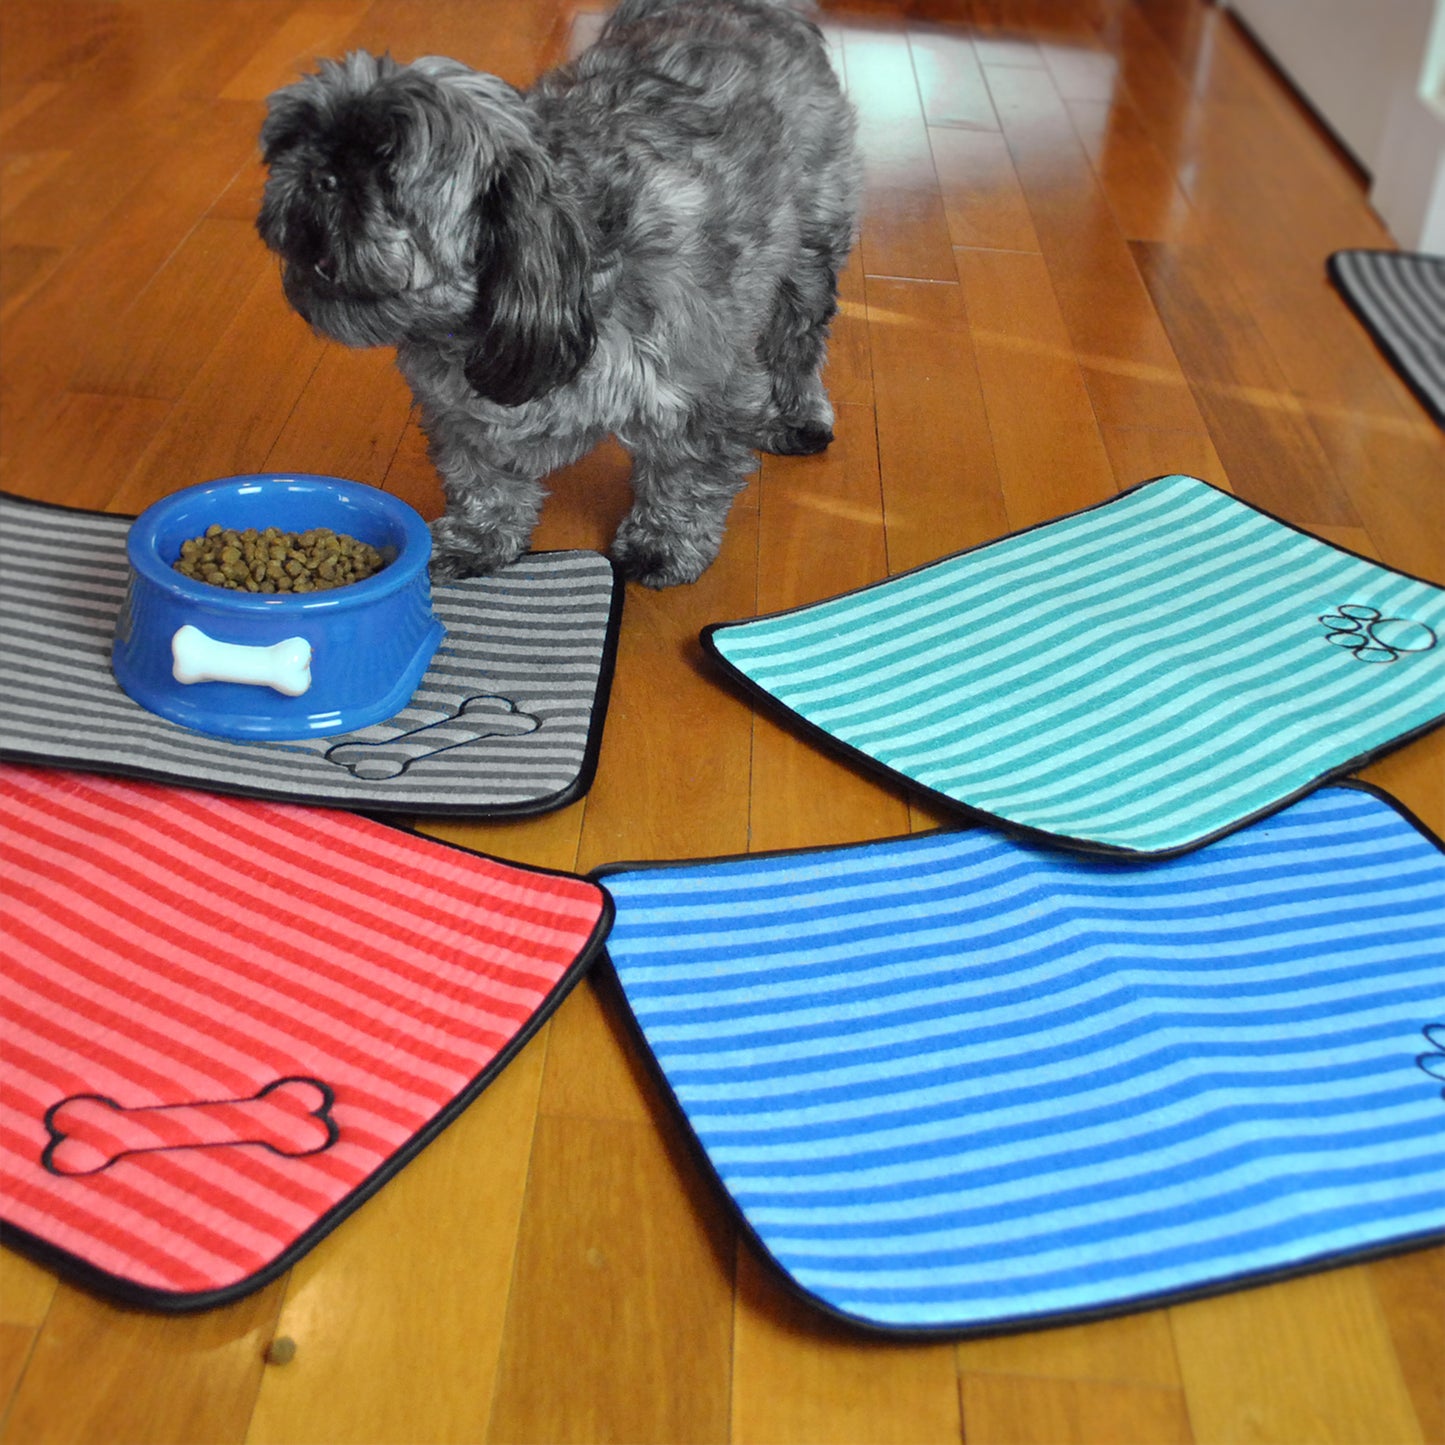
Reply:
x=672, y=779
x=1132, y=1350
x=86, y=449
x=22, y=270
x=1310, y=1359
x=1143, y=192
x=102, y=1373
x=49, y=335
x=1051, y=459
x=1023, y=1410
x=848, y=371
x=936, y=453
x=161, y=339
x=318, y=28
x=1132, y=374
x=904, y=230
x=982, y=198
x=624, y=1271
x=821, y=521
x=1142, y=214
x=26, y=1291
x=950, y=78
x=1138, y=453
x=510, y=38
x=1256, y=420
x=801, y=1379
x=366, y=387
x=1409, y=1289
x=228, y=419
x=411, y=1288
x=16, y=1344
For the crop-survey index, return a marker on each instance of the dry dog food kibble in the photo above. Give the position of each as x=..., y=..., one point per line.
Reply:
x=277, y=561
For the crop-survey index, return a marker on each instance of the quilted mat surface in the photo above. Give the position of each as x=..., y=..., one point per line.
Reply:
x=1139, y=677
x=507, y=720
x=228, y=1021
x=955, y=1083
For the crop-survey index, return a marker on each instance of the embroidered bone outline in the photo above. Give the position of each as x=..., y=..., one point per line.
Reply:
x=95, y=1126
x=370, y=761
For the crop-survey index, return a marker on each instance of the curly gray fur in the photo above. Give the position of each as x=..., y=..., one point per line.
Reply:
x=646, y=243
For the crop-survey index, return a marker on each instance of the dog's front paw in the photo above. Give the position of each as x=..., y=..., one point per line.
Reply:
x=461, y=551
x=659, y=560
x=805, y=439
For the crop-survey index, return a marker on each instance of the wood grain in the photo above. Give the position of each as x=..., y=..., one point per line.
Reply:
x=1093, y=252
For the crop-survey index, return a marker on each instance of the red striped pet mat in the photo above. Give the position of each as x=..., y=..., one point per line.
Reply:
x=227, y=1022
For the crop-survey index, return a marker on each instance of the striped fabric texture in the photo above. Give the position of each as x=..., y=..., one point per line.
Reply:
x=227, y=1021
x=1139, y=677
x=507, y=720
x=1399, y=296
x=960, y=1083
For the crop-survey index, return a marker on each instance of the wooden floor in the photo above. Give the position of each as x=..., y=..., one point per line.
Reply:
x=1093, y=252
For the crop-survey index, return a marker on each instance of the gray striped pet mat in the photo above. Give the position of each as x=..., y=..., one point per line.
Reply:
x=507, y=720
x=1400, y=298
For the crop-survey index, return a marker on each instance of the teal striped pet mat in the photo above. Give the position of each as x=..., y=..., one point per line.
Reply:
x=960, y=1083
x=1139, y=677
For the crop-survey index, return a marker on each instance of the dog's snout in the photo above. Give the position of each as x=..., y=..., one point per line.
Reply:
x=322, y=178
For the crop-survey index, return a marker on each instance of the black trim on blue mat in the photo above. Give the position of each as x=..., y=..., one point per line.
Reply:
x=782, y=714
x=1402, y=368
x=375, y=806
x=99, y=1281
x=607, y=977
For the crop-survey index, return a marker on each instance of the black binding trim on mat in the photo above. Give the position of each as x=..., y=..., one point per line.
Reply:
x=781, y=713
x=1362, y=314
x=1017, y=1323
x=370, y=806
x=90, y=1277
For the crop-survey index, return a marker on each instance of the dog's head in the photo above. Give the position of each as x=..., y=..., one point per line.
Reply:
x=415, y=203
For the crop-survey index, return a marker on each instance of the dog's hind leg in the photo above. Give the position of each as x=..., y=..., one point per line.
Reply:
x=683, y=487
x=793, y=349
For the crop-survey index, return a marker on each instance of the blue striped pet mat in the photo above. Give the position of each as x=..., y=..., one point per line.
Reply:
x=957, y=1083
x=1138, y=678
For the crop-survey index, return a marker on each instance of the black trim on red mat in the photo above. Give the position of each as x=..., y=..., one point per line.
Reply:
x=89, y=1277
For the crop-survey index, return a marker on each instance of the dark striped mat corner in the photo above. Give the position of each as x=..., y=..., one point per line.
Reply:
x=229, y=1021
x=1137, y=677
x=506, y=722
x=1399, y=296
x=954, y=1083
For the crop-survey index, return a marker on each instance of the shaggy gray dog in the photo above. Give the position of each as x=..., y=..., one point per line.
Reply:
x=646, y=244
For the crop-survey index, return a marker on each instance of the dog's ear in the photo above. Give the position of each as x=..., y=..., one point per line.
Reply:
x=532, y=328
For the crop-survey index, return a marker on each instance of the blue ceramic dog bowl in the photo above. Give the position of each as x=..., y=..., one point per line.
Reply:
x=261, y=665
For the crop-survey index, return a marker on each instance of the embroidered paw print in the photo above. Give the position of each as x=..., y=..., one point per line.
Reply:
x=1372, y=637
x=1434, y=1064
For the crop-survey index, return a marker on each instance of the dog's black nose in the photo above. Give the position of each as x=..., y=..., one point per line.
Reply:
x=323, y=179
